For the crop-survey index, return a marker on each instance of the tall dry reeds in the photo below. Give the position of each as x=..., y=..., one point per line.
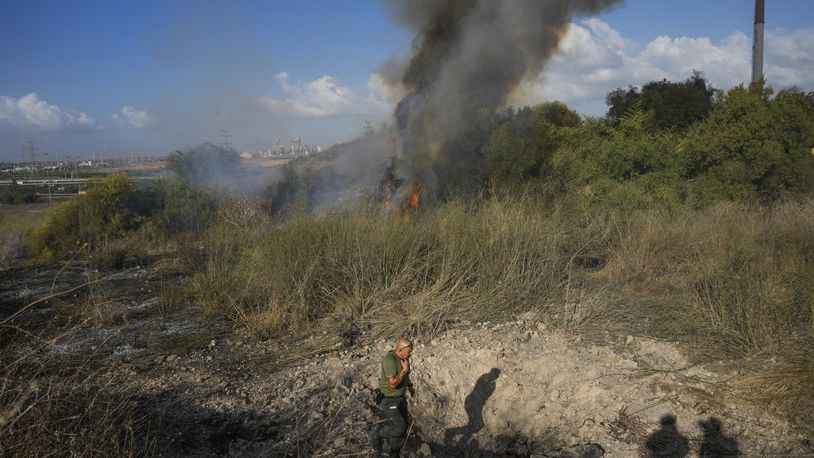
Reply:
x=458, y=261
x=740, y=282
x=734, y=282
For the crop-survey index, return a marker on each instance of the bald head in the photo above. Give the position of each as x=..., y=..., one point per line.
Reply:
x=404, y=348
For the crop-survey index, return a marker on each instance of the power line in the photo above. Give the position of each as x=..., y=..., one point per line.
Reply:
x=225, y=136
x=32, y=151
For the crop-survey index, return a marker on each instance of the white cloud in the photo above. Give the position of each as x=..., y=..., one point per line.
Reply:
x=325, y=96
x=29, y=112
x=135, y=118
x=594, y=59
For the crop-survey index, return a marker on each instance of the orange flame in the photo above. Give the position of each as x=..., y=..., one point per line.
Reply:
x=414, y=200
x=415, y=197
x=411, y=205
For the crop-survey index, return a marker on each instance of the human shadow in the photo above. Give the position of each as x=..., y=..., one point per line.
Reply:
x=715, y=443
x=474, y=403
x=667, y=441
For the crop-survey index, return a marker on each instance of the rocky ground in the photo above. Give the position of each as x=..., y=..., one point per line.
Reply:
x=515, y=388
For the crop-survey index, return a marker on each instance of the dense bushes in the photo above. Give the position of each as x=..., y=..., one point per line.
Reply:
x=115, y=208
x=16, y=194
x=751, y=147
x=666, y=104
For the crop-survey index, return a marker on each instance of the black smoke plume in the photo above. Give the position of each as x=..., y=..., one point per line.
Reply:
x=467, y=57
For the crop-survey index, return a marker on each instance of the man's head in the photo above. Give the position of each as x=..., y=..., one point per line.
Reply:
x=404, y=348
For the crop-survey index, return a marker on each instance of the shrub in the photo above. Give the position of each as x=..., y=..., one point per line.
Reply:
x=751, y=145
x=520, y=149
x=115, y=209
x=16, y=194
x=205, y=164
x=667, y=104
x=458, y=260
x=172, y=207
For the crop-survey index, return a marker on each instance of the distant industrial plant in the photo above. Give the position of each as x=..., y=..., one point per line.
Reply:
x=279, y=151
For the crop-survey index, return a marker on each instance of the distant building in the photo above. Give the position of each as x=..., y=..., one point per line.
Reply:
x=298, y=148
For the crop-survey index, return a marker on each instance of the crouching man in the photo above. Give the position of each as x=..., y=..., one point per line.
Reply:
x=394, y=381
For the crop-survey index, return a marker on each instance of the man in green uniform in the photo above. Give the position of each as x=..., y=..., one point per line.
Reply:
x=394, y=381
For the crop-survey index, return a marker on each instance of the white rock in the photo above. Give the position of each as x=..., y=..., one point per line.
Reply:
x=425, y=450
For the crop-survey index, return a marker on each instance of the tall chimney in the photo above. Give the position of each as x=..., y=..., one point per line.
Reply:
x=757, y=43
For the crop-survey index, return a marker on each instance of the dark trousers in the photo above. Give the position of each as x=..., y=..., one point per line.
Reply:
x=395, y=416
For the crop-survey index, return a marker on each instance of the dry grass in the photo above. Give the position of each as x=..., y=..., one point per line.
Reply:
x=75, y=412
x=731, y=282
x=383, y=274
x=15, y=222
x=54, y=404
x=740, y=283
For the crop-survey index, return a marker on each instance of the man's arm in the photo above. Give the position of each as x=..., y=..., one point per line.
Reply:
x=394, y=381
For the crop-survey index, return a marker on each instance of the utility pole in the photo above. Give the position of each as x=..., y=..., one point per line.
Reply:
x=757, y=41
x=32, y=151
x=225, y=136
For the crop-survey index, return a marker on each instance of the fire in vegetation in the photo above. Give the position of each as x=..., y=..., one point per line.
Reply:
x=467, y=57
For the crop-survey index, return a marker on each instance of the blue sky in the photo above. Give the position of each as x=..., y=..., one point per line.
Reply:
x=116, y=77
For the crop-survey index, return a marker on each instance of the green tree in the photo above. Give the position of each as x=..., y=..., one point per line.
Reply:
x=520, y=148
x=17, y=194
x=204, y=164
x=171, y=206
x=667, y=104
x=558, y=114
x=115, y=208
x=752, y=143
x=105, y=213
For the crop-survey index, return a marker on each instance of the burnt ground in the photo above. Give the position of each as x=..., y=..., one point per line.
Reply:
x=516, y=388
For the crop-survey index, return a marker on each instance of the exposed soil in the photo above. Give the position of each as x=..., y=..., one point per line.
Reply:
x=515, y=388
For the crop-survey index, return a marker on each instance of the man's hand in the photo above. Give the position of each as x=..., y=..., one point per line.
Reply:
x=405, y=366
x=412, y=391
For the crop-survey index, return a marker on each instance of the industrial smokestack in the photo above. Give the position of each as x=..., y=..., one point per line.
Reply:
x=757, y=43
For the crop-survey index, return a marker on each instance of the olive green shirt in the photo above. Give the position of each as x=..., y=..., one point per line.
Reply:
x=391, y=366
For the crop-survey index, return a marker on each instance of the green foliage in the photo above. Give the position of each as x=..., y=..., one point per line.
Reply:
x=520, y=147
x=114, y=209
x=16, y=194
x=204, y=164
x=751, y=145
x=558, y=114
x=171, y=207
x=104, y=213
x=288, y=193
x=667, y=104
